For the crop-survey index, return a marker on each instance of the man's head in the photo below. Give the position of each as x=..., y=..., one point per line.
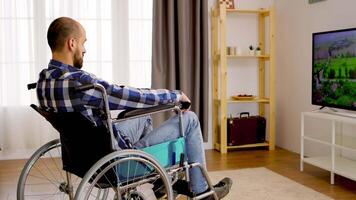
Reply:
x=66, y=38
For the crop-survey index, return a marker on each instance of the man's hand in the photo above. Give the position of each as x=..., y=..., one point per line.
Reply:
x=184, y=98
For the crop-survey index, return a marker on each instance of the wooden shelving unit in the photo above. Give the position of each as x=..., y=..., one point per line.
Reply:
x=219, y=72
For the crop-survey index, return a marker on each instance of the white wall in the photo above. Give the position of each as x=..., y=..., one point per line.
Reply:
x=296, y=20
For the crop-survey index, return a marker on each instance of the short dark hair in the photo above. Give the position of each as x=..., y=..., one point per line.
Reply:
x=59, y=30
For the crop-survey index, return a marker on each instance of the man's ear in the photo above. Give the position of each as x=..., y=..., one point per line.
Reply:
x=71, y=44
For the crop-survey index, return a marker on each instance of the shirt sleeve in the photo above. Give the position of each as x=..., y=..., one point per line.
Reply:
x=123, y=97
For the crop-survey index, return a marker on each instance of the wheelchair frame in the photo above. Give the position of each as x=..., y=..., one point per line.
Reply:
x=168, y=174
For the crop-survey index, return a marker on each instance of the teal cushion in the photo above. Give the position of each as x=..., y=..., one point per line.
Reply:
x=167, y=153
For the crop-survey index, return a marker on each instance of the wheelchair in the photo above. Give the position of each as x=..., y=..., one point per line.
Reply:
x=84, y=163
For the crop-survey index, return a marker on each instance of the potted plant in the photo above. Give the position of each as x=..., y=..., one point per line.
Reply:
x=258, y=51
x=251, y=50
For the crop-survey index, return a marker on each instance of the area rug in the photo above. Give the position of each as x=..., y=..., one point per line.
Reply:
x=264, y=184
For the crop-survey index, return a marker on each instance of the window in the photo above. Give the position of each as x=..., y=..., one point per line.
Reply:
x=96, y=17
x=16, y=52
x=24, y=50
x=140, y=42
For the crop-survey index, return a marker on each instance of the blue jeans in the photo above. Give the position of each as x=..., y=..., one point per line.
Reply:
x=141, y=134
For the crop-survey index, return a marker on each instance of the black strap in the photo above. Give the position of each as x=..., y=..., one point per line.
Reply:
x=244, y=113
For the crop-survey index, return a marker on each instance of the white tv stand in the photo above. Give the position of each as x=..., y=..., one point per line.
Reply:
x=333, y=111
x=336, y=162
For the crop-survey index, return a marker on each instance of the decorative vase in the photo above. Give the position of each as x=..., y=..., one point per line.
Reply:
x=258, y=52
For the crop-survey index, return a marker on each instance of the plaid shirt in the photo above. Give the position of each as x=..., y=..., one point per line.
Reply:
x=54, y=93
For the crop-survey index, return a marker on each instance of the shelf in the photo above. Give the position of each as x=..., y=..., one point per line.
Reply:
x=248, y=56
x=323, y=162
x=343, y=166
x=345, y=148
x=260, y=11
x=331, y=116
x=263, y=144
x=316, y=140
x=338, y=146
x=264, y=100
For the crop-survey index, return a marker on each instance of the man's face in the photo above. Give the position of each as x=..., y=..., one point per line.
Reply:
x=80, y=50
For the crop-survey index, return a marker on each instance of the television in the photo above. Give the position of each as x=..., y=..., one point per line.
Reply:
x=334, y=69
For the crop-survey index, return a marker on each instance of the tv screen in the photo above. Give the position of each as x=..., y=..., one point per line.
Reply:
x=334, y=69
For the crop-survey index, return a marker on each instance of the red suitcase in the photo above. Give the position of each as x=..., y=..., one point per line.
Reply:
x=246, y=129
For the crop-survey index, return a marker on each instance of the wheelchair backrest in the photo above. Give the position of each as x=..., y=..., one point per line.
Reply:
x=83, y=144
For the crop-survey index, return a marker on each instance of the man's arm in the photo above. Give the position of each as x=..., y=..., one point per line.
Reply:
x=123, y=97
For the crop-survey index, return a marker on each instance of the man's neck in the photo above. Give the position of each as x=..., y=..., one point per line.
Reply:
x=62, y=58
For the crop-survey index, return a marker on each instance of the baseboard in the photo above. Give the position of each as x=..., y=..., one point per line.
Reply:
x=16, y=154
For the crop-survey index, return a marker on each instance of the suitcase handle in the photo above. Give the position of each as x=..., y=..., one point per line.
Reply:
x=244, y=113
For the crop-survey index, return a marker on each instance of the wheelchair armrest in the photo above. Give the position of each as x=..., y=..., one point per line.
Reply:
x=144, y=111
x=78, y=89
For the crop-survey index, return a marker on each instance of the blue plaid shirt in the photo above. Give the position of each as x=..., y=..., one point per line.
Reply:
x=56, y=82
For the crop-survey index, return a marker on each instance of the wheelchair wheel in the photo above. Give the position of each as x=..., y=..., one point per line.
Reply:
x=43, y=176
x=126, y=175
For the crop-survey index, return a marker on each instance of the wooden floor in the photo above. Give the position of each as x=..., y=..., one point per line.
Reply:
x=280, y=161
x=286, y=164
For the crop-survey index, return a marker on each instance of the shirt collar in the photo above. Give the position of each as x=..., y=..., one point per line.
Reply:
x=62, y=66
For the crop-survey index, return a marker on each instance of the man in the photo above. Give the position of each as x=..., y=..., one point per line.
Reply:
x=66, y=38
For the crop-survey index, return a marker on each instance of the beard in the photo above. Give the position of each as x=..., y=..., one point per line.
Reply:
x=78, y=60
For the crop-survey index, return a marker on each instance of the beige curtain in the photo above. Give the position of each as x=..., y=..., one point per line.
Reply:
x=180, y=51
